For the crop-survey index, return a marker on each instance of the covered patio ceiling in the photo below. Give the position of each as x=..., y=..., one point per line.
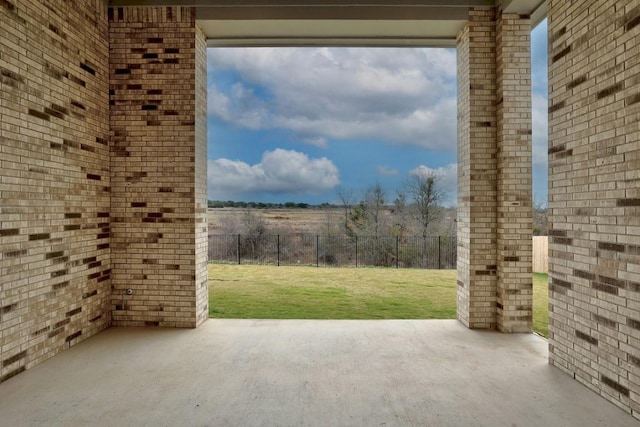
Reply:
x=425, y=23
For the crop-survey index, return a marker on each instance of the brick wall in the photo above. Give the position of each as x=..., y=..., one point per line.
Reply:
x=102, y=186
x=494, y=172
x=594, y=196
x=477, y=225
x=158, y=205
x=202, y=222
x=514, y=215
x=55, y=179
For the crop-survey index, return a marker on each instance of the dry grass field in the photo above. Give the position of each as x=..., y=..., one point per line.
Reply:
x=296, y=220
x=316, y=221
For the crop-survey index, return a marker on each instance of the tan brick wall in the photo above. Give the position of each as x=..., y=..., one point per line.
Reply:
x=594, y=195
x=514, y=214
x=202, y=223
x=54, y=178
x=464, y=181
x=477, y=171
x=494, y=172
x=158, y=135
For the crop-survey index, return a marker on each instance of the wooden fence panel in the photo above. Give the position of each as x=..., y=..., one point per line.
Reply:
x=540, y=254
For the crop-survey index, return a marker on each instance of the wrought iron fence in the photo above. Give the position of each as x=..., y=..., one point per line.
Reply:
x=438, y=252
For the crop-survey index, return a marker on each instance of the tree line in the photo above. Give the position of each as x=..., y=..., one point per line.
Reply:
x=414, y=210
x=218, y=204
x=368, y=227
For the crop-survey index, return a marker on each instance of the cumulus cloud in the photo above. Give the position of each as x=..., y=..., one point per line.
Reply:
x=448, y=179
x=279, y=171
x=402, y=96
x=387, y=171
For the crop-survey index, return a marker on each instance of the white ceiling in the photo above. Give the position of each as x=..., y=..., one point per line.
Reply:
x=336, y=22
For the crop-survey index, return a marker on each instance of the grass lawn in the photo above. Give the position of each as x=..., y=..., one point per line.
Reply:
x=541, y=303
x=268, y=292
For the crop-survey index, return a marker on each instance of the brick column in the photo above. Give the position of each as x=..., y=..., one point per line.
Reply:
x=158, y=167
x=477, y=171
x=514, y=237
x=494, y=172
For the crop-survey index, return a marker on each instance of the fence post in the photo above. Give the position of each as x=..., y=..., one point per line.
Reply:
x=356, y=251
x=439, y=263
x=317, y=251
x=238, y=249
x=278, y=250
x=397, y=252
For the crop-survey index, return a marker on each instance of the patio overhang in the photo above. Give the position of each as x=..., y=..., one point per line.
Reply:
x=363, y=23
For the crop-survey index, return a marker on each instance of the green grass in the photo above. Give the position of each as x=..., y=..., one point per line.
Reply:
x=268, y=292
x=541, y=304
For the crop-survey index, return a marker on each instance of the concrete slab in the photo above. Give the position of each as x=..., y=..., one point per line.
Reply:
x=304, y=373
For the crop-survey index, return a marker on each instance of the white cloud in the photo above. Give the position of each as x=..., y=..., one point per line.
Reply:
x=218, y=104
x=448, y=179
x=280, y=171
x=387, y=171
x=318, y=141
x=402, y=96
x=540, y=122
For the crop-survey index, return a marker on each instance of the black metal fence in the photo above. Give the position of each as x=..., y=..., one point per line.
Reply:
x=338, y=251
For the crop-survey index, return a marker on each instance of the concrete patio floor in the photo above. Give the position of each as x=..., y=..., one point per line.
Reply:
x=304, y=373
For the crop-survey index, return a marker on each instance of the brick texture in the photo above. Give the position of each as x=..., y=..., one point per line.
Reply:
x=200, y=176
x=477, y=225
x=158, y=204
x=103, y=183
x=514, y=215
x=55, y=268
x=594, y=196
x=494, y=172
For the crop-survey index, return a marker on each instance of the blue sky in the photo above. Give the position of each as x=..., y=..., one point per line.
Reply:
x=296, y=124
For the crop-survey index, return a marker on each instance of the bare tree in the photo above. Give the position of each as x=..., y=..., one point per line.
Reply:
x=255, y=227
x=423, y=188
x=347, y=198
x=253, y=222
x=539, y=217
x=367, y=215
x=375, y=198
x=400, y=214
